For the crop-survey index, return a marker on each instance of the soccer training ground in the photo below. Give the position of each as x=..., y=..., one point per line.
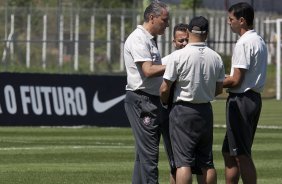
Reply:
x=95, y=155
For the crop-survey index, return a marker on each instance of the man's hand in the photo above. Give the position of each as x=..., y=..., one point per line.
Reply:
x=234, y=80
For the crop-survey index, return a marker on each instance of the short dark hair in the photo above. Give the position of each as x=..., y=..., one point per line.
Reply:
x=180, y=27
x=154, y=8
x=244, y=10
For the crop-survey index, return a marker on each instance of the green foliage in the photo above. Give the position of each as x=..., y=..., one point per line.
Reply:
x=185, y=4
x=20, y=3
x=27, y=3
x=104, y=3
x=76, y=3
x=189, y=4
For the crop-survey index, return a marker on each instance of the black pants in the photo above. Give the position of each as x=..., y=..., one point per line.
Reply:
x=143, y=112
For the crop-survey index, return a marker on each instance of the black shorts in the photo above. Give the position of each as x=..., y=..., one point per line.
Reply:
x=242, y=115
x=191, y=132
x=167, y=143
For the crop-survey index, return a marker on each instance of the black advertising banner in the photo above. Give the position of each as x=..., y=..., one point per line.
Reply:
x=62, y=100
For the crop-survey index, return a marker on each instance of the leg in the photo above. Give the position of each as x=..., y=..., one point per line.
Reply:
x=247, y=169
x=242, y=117
x=183, y=175
x=167, y=143
x=145, y=128
x=136, y=177
x=232, y=171
x=209, y=176
x=172, y=179
x=229, y=147
x=200, y=179
x=244, y=160
x=197, y=170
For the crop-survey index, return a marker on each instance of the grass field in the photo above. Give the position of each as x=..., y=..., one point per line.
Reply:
x=94, y=155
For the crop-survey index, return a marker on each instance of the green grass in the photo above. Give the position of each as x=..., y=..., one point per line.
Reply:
x=94, y=155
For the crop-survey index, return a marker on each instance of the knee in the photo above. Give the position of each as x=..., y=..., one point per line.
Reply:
x=230, y=161
x=243, y=159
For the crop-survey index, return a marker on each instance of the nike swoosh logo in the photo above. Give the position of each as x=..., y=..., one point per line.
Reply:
x=101, y=107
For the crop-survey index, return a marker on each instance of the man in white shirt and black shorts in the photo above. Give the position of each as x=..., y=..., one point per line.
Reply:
x=245, y=83
x=180, y=40
x=198, y=73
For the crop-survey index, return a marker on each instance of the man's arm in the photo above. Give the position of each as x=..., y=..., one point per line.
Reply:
x=165, y=91
x=151, y=70
x=236, y=79
x=218, y=88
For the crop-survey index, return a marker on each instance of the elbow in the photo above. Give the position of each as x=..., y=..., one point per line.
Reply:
x=236, y=84
x=231, y=83
x=147, y=74
x=162, y=92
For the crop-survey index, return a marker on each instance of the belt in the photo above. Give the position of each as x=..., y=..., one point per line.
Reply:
x=244, y=93
x=189, y=103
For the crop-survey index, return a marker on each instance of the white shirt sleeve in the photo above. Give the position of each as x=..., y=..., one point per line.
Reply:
x=171, y=69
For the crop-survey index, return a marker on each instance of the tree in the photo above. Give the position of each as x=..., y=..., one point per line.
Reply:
x=104, y=3
x=188, y=4
x=77, y=3
x=25, y=3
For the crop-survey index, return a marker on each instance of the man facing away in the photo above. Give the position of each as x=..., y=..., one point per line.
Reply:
x=180, y=40
x=142, y=101
x=198, y=73
x=243, y=106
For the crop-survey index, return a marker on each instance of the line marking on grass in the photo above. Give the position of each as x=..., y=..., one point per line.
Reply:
x=65, y=147
x=259, y=126
x=112, y=146
x=216, y=126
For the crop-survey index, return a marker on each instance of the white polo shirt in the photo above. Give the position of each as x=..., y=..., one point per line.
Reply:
x=196, y=68
x=250, y=53
x=165, y=59
x=140, y=47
